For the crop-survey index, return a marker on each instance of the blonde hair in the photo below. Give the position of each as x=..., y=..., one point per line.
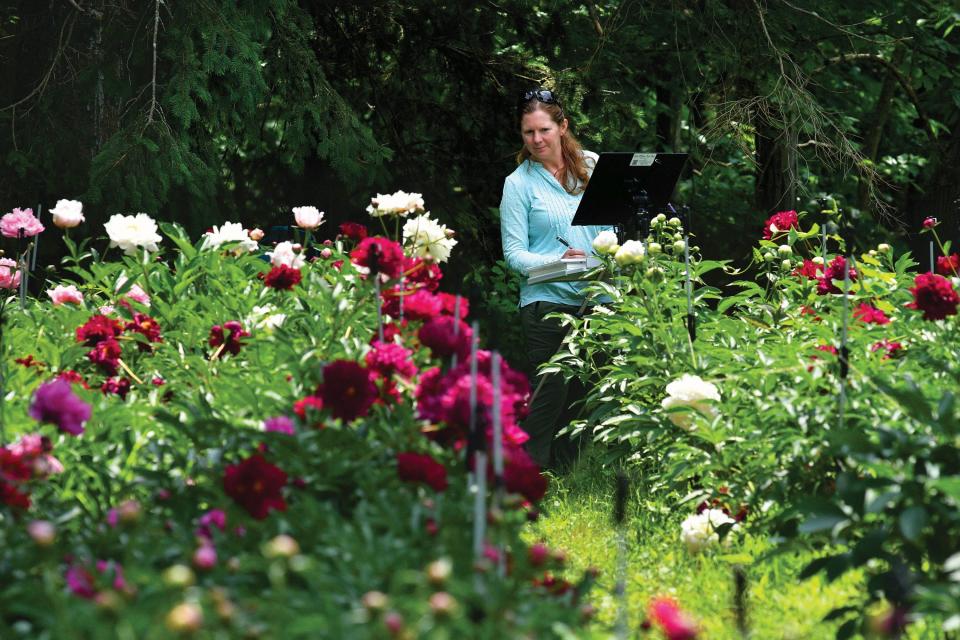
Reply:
x=575, y=175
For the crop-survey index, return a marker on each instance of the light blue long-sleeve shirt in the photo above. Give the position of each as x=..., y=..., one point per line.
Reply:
x=534, y=210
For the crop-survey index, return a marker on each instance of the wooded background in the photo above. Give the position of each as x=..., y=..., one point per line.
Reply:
x=202, y=111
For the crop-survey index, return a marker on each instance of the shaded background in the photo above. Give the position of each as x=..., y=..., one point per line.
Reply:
x=203, y=111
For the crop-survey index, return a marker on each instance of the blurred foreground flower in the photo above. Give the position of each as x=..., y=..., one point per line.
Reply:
x=9, y=274
x=56, y=403
x=676, y=624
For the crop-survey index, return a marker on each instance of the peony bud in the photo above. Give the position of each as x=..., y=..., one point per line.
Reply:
x=655, y=274
x=631, y=252
x=785, y=251
x=768, y=256
x=129, y=511
x=326, y=253
x=883, y=247
x=442, y=604
x=67, y=214
x=393, y=621
x=654, y=248
x=439, y=571
x=205, y=557
x=930, y=222
x=374, y=601
x=605, y=243
x=42, y=532
x=283, y=546
x=786, y=265
x=186, y=617
x=256, y=234
x=308, y=217
x=179, y=575
x=661, y=218
x=674, y=222
x=817, y=260
x=679, y=246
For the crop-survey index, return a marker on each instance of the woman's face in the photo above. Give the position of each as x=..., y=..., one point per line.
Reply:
x=541, y=136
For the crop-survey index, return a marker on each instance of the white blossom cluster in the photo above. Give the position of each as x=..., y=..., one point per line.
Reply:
x=428, y=238
x=229, y=232
x=400, y=203
x=699, y=531
x=285, y=254
x=694, y=393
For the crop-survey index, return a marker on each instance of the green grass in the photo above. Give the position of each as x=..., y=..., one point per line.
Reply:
x=577, y=520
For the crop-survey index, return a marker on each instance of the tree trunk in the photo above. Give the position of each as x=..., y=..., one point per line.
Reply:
x=881, y=114
x=775, y=186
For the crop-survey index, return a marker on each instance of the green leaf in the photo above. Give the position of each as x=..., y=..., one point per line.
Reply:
x=912, y=522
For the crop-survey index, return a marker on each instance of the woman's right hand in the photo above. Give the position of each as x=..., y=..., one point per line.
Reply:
x=573, y=253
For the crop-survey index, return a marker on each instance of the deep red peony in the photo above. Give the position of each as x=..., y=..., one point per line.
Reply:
x=98, y=328
x=834, y=271
x=347, y=390
x=256, y=485
x=809, y=270
x=231, y=340
x=522, y=475
x=934, y=295
x=417, y=467
x=869, y=314
x=353, y=230
x=383, y=253
x=779, y=223
x=145, y=326
x=949, y=265
x=425, y=274
x=450, y=306
x=283, y=277
x=106, y=355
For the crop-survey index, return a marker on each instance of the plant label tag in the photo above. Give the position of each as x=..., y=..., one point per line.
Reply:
x=642, y=159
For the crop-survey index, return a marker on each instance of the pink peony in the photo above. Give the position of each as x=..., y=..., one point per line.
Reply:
x=61, y=294
x=676, y=624
x=137, y=294
x=382, y=253
x=13, y=222
x=930, y=222
x=446, y=336
x=279, y=424
x=9, y=274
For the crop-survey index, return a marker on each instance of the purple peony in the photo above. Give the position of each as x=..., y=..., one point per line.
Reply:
x=55, y=402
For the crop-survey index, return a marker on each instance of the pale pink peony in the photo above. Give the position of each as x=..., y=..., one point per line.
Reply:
x=9, y=274
x=17, y=219
x=67, y=214
x=137, y=294
x=308, y=217
x=61, y=294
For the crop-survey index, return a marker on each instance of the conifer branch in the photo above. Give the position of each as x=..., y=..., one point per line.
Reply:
x=153, y=80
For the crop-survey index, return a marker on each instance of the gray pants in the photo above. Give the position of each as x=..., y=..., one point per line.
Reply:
x=550, y=410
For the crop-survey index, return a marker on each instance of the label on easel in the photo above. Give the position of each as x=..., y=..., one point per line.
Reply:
x=642, y=159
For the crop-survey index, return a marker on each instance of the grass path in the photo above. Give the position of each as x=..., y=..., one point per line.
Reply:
x=577, y=520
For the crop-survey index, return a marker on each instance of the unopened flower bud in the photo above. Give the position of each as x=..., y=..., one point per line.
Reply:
x=674, y=222
x=42, y=532
x=255, y=234
x=768, y=256
x=205, y=557
x=129, y=511
x=374, y=600
x=326, y=253
x=661, y=218
x=442, y=604
x=654, y=248
x=883, y=247
x=282, y=546
x=179, y=575
x=655, y=274
x=817, y=260
x=786, y=265
x=930, y=222
x=186, y=617
x=785, y=251
x=605, y=243
x=679, y=246
x=439, y=571
x=393, y=621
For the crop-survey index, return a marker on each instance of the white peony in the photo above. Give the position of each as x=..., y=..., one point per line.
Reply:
x=632, y=252
x=132, y=232
x=693, y=392
x=67, y=214
x=428, y=238
x=266, y=317
x=308, y=217
x=605, y=243
x=699, y=531
x=229, y=232
x=396, y=204
x=284, y=254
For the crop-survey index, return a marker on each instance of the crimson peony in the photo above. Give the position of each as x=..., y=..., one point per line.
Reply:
x=256, y=485
x=934, y=295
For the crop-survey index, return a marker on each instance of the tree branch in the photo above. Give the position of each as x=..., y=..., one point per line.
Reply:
x=153, y=80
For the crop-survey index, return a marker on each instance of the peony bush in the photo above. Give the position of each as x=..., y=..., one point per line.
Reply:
x=223, y=439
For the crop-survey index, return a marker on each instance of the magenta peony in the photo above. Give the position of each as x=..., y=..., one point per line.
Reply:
x=676, y=624
x=870, y=315
x=56, y=403
x=780, y=222
x=446, y=336
x=417, y=467
x=383, y=253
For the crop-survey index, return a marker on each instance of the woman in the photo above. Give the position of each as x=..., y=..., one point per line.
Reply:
x=539, y=200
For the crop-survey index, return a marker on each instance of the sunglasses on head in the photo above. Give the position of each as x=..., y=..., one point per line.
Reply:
x=541, y=95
